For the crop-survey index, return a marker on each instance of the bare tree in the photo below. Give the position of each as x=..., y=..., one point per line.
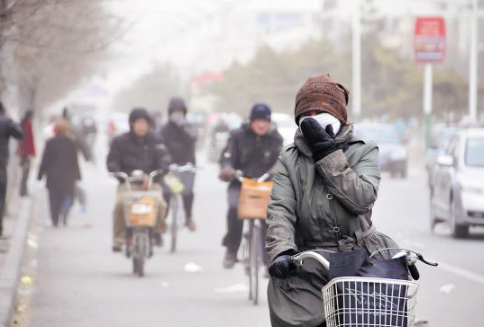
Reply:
x=53, y=45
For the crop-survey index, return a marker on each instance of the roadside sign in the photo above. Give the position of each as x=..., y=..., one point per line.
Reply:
x=429, y=40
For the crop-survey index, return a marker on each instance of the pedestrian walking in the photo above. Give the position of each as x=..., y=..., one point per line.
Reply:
x=7, y=129
x=60, y=166
x=26, y=151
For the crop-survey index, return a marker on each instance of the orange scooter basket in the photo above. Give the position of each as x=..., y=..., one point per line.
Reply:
x=143, y=212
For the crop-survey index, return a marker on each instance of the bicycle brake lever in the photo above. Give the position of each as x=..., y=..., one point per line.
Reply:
x=421, y=258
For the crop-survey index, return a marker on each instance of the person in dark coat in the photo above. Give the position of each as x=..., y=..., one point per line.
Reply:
x=8, y=129
x=26, y=150
x=60, y=166
x=138, y=149
x=180, y=138
x=253, y=149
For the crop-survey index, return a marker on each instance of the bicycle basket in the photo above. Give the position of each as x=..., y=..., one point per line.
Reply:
x=364, y=302
x=174, y=183
x=254, y=199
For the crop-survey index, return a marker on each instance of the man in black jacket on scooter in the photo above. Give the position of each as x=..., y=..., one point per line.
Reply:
x=138, y=149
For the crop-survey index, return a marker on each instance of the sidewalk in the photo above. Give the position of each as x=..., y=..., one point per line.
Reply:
x=11, y=254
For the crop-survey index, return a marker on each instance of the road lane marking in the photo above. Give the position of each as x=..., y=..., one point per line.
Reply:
x=461, y=272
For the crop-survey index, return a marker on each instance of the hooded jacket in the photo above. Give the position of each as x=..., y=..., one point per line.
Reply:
x=129, y=152
x=180, y=142
x=180, y=139
x=313, y=204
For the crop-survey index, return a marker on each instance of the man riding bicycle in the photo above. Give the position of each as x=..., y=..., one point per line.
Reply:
x=180, y=137
x=252, y=149
x=138, y=149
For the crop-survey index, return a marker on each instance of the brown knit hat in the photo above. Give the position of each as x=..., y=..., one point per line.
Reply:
x=321, y=93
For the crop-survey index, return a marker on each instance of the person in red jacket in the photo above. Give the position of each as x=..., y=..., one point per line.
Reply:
x=26, y=150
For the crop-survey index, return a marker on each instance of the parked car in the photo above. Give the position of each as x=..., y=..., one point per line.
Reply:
x=457, y=193
x=440, y=142
x=393, y=151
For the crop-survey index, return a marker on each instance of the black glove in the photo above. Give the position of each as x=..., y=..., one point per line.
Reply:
x=320, y=141
x=282, y=266
x=226, y=173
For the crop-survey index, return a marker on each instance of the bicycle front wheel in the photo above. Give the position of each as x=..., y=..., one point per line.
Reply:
x=174, y=223
x=254, y=262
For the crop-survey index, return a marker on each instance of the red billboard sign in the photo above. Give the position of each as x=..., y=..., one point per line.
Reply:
x=429, y=39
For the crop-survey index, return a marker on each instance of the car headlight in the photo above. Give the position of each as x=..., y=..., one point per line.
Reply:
x=471, y=188
x=399, y=154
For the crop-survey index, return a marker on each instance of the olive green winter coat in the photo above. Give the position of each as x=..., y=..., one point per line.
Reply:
x=315, y=204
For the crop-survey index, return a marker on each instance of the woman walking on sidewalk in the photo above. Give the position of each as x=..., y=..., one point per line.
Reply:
x=61, y=168
x=26, y=151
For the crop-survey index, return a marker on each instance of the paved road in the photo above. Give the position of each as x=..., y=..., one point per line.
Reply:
x=81, y=283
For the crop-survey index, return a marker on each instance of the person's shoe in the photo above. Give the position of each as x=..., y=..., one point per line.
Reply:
x=230, y=260
x=190, y=224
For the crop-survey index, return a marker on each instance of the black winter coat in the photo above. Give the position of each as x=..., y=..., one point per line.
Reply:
x=60, y=164
x=181, y=142
x=129, y=152
x=7, y=129
x=254, y=155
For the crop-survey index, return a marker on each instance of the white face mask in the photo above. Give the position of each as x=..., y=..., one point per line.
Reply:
x=324, y=119
x=177, y=117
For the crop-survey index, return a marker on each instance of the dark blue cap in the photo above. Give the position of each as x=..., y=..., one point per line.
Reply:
x=260, y=111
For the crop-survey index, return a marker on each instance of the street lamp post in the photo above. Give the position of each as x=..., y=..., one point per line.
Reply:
x=473, y=67
x=356, y=98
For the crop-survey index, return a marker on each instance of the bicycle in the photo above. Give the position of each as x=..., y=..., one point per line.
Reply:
x=369, y=301
x=255, y=195
x=174, y=182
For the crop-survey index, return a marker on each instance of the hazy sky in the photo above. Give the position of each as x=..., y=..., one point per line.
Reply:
x=153, y=25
